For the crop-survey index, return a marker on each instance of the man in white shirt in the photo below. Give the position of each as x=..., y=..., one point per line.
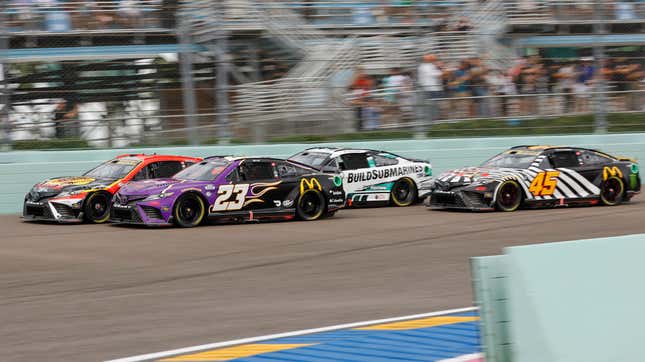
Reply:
x=430, y=78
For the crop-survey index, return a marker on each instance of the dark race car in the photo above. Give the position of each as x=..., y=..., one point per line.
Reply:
x=235, y=189
x=538, y=176
x=88, y=197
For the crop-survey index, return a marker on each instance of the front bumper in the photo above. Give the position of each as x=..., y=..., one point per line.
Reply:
x=465, y=200
x=51, y=211
x=135, y=214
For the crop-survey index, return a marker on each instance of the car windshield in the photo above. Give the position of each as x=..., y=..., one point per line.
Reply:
x=512, y=159
x=313, y=159
x=203, y=171
x=114, y=169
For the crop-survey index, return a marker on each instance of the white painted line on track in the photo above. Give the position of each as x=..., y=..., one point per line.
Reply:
x=466, y=358
x=156, y=355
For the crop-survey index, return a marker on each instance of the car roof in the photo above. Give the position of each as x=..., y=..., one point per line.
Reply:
x=544, y=148
x=156, y=157
x=337, y=151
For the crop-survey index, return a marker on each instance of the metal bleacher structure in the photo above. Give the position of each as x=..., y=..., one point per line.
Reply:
x=311, y=95
x=316, y=46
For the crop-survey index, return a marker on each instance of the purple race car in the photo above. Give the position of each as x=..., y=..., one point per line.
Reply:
x=237, y=189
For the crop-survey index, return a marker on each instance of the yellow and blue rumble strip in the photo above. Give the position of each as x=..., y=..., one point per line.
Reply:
x=441, y=338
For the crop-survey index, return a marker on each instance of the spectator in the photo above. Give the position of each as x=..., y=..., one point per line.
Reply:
x=360, y=89
x=393, y=85
x=479, y=87
x=566, y=80
x=461, y=88
x=430, y=77
x=502, y=87
x=582, y=87
x=129, y=15
x=65, y=120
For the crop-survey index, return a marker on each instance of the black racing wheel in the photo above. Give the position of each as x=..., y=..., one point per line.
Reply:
x=97, y=207
x=189, y=210
x=509, y=196
x=311, y=205
x=404, y=192
x=612, y=191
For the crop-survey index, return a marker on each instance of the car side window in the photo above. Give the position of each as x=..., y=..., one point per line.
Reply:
x=257, y=170
x=354, y=161
x=565, y=159
x=143, y=174
x=589, y=158
x=286, y=170
x=167, y=169
x=381, y=160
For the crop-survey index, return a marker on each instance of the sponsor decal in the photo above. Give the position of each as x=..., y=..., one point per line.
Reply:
x=287, y=203
x=68, y=181
x=634, y=168
x=209, y=187
x=336, y=201
x=371, y=175
x=277, y=203
x=309, y=184
x=608, y=172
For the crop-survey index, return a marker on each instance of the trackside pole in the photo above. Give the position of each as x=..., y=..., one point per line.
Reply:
x=600, y=114
x=5, y=140
x=222, y=80
x=187, y=81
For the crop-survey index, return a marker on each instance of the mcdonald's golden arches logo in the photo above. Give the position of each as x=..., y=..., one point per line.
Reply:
x=311, y=184
x=608, y=172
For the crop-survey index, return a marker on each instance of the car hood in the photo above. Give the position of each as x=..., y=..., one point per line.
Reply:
x=57, y=185
x=471, y=175
x=157, y=186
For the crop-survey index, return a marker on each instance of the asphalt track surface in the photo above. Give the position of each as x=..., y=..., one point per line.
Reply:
x=91, y=293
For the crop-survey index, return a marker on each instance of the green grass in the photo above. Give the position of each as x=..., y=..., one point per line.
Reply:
x=57, y=144
x=617, y=123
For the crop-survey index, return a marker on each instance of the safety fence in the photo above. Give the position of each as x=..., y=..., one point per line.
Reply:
x=87, y=16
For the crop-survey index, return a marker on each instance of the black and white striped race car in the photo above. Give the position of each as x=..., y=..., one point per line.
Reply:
x=372, y=178
x=538, y=176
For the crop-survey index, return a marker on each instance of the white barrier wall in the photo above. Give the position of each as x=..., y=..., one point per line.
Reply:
x=564, y=302
x=20, y=170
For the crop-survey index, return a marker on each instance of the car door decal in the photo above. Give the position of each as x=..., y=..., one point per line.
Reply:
x=224, y=193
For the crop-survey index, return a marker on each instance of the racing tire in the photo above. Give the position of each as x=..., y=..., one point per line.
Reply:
x=311, y=205
x=189, y=211
x=509, y=196
x=97, y=207
x=612, y=191
x=404, y=192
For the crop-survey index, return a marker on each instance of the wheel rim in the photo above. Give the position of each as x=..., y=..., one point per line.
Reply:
x=612, y=190
x=188, y=210
x=402, y=191
x=310, y=205
x=508, y=196
x=99, y=207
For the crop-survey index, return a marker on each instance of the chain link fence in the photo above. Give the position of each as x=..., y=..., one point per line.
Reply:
x=109, y=73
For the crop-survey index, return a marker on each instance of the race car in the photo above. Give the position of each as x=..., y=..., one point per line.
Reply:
x=88, y=197
x=230, y=189
x=538, y=176
x=372, y=178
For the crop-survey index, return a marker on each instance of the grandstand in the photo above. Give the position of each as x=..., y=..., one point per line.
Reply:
x=159, y=71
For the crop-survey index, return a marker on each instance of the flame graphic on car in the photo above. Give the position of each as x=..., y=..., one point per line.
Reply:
x=259, y=190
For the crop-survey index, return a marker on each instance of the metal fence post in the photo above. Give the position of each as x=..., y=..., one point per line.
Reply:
x=5, y=139
x=600, y=114
x=222, y=62
x=188, y=82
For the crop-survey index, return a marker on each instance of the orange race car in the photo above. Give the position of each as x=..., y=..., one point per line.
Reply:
x=89, y=197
